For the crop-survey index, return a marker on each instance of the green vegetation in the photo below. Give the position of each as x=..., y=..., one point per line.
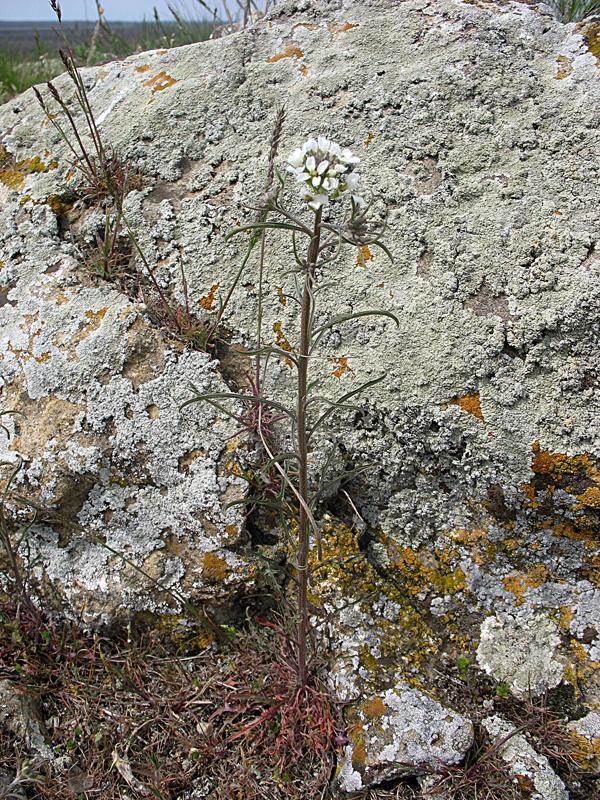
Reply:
x=27, y=64
x=575, y=10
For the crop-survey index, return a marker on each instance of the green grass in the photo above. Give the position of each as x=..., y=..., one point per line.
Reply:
x=575, y=10
x=21, y=69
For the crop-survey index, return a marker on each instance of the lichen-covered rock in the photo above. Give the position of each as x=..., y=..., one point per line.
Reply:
x=20, y=715
x=586, y=732
x=521, y=653
x=478, y=124
x=528, y=766
x=137, y=487
x=401, y=730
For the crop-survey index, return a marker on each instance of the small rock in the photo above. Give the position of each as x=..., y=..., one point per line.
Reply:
x=521, y=653
x=524, y=762
x=20, y=715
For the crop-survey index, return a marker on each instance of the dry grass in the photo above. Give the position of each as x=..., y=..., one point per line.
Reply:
x=158, y=715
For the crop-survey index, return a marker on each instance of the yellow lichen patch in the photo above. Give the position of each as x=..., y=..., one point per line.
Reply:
x=214, y=568
x=14, y=176
x=565, y=617
x=58, y=206
x=586, y=751
x=427, y=571
x=143, y=68
x=369, y=139
x=359, y=755
x=591, y=569
x=519, y=582
x=304, y=70
x=207, y=301
x=363, y=255
x=4, y=154
x=281, y=297
x=342, y=367
x=95, y=319
x=404, y=643
x=160, y=82
x=564, y=68
x=591, y=497
x=374, y=709
x=592, y=37
x=289, y=51
x=471, y=403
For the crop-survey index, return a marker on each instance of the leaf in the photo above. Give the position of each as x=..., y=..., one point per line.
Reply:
x=356, y=315
x=124, y=769
x=261, y=226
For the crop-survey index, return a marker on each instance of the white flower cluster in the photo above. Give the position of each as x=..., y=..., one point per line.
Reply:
x=326, y=170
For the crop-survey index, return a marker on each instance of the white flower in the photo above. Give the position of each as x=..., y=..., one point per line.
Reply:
x=325, y=170
x=352, y=181
x=317, y=201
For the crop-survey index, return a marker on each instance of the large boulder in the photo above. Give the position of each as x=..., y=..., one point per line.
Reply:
x=478, y=124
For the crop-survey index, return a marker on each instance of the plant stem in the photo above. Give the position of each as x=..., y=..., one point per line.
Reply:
x=304, y=528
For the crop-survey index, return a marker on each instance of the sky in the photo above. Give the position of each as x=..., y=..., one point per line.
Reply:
x=17, y=10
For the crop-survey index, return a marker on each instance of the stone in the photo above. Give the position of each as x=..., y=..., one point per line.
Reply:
x=403, y=730
x=477, y=123
x=524, y=762
x=521, y=653
x=104, y=443
x=587, y=733
x=20, y=715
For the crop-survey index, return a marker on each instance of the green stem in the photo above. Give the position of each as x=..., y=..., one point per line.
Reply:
x=304, y=527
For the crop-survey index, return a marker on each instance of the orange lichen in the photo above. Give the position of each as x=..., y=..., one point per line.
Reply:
x=369, y=139
x=374, y=708
x=214, y=568
x=335, y=29
x=591, y=497
x=143, y=68
x=303, y=70
x=518, y=583
x=363, y=255
x=281, y=340
x=160, y=82
x=14, y=176
x=282, y=298
x=471, y=403
x=592, y=38
x=207, y=300
x=342, y=367
x=564, y=68
x=289, y=51
x=95, y=318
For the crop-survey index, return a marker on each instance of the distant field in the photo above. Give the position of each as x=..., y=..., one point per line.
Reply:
x=29, y=50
